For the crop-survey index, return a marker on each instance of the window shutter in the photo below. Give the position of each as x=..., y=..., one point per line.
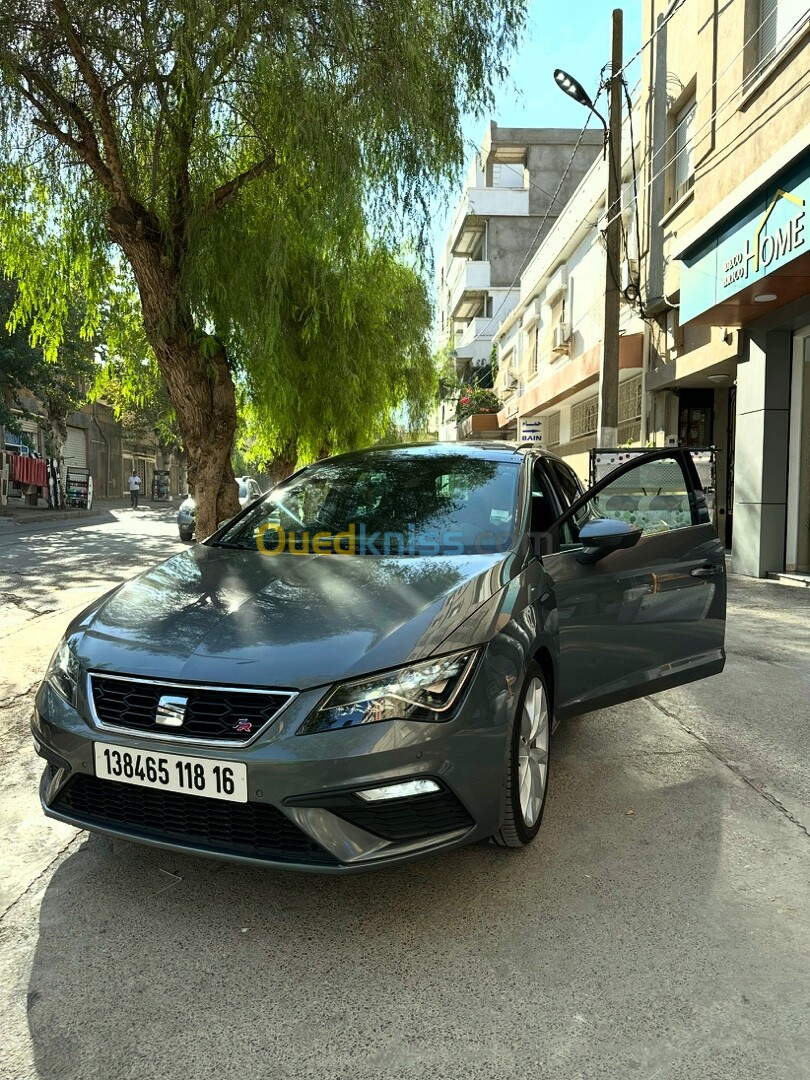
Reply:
x=768, y=19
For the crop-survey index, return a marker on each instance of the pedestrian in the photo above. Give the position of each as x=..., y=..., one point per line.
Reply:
x=134, y=489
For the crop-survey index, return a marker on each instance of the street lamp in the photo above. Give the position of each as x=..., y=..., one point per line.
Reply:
x=569, y=85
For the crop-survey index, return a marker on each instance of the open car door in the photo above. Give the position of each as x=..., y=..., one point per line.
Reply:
x=638, y=573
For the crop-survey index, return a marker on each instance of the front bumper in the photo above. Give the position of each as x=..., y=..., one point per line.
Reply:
x=302, y=812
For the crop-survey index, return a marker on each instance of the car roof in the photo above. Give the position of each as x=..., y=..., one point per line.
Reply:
x=488, y=449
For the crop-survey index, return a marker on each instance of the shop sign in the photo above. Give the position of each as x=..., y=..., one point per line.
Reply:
x=767, y=233
x=767, y=248
x=531, y=431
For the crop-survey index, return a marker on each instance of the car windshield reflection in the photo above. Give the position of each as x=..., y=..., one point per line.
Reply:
x=386, y=504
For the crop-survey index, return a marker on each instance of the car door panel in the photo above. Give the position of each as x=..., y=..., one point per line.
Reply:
x=643, y=618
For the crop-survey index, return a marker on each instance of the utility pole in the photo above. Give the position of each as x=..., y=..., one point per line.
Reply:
x=609, y=372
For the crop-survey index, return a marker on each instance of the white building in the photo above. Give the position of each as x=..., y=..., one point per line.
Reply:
x=550, y=344
x=504, y=212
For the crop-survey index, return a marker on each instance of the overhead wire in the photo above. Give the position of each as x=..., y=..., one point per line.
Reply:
x=637, y=191
x=673, y=8
x=715, y=113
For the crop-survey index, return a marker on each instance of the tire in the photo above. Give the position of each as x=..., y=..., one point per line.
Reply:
x=186, y=534
x=527, y=763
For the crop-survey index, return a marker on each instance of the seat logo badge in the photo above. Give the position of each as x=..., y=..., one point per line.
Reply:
x=243, y=725
x=171, y=711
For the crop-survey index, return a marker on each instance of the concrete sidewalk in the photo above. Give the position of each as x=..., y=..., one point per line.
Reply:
x=13, y=517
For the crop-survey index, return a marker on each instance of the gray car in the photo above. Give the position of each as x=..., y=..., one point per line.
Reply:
x=249, y=491
x=369, y=663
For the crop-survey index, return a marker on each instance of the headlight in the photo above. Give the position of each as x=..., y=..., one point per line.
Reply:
x=63, y=672
x=425, y=691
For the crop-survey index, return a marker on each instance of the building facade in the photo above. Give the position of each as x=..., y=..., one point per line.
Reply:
x=725, y=179
x=96, y=441
x=501, y=219
x=550, y=346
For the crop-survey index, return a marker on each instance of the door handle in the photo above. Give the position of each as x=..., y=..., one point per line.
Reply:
x=707, y=571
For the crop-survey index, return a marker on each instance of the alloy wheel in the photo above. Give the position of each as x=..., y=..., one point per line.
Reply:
x=533, y=752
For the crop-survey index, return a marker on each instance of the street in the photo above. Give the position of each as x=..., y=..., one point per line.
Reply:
x=658, y=927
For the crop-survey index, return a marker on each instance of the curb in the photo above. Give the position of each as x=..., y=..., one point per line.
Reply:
x=44, y=517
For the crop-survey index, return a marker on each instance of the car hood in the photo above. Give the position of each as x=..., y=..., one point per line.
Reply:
x=240, y=618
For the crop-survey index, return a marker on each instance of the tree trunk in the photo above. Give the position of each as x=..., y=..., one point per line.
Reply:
x=284, y=464
x=202, y=393
x=194, y=365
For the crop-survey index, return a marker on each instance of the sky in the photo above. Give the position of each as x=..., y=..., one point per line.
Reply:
x=571, y=34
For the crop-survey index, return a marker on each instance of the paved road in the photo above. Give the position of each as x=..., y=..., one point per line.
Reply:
x=659, y=927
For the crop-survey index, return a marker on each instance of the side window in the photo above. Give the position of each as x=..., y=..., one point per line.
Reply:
x=570, y=489
x=544, y=511
x=567, y=481
x=654, y=495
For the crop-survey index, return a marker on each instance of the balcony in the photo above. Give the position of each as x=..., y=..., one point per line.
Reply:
x=468, y=287
x=475, y=341
x=479, y=203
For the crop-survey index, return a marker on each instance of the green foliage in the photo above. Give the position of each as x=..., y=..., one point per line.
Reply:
x=474, y=400
x=61, y=386
x=252, y=162
x=136, y=391
x=349, y=352
x=449, y=384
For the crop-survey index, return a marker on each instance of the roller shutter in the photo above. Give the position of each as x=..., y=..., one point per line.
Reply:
x=75, y=452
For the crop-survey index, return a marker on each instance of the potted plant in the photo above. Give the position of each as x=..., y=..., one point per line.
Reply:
x=476, y=401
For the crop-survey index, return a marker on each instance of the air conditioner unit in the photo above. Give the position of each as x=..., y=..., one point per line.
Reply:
x=561, y=338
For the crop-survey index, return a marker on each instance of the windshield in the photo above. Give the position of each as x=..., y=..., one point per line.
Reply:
x=386, y=503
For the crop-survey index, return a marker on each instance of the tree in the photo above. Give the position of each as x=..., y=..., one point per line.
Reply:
x=187, y=143
x=338, y=380
x=60, y=387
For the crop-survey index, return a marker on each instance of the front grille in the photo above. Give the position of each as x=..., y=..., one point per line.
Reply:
x=408, y=819
x=211, y=713
x=254, y=829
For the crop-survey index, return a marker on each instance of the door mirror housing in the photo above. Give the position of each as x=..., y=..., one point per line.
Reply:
x=224, y=521
x=599, y=538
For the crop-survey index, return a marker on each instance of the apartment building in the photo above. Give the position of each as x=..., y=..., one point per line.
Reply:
x=504, y=212
x=725, y=179
x=550, y=345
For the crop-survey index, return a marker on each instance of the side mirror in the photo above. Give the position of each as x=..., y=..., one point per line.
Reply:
x=223, y=522
x=599, y=538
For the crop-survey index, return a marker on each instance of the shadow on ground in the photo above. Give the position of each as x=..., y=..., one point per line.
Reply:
x=633, y=939
x=37, y=563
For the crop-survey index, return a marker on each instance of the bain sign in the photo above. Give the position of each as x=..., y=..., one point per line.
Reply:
x=531, y=431
x=765, y=247
x=764, y=235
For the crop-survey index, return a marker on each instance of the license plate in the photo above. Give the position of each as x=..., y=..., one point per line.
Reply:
x=172, y=772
